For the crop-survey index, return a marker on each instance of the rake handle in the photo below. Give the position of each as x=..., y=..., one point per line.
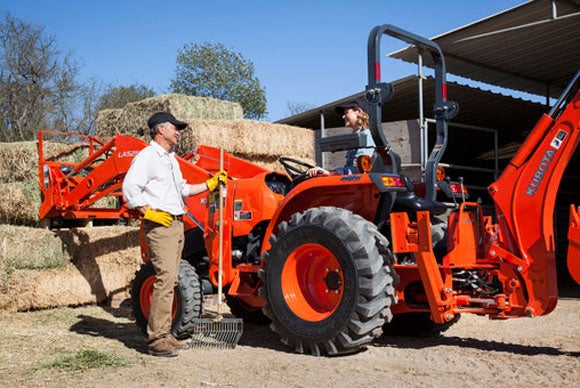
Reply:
x=220, y=238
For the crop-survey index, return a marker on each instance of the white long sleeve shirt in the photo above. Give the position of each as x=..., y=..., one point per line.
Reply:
x=155, y=180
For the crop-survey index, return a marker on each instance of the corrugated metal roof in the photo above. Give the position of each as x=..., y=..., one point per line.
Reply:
x=534, y=47
x=476, y=107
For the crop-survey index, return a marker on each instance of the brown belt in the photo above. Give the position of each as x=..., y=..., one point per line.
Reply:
x=178, y=218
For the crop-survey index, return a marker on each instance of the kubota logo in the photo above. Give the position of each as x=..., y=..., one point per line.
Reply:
x=540, y=172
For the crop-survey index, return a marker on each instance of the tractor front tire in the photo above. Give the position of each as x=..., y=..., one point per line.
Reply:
x=187, y=300
x=328, y=282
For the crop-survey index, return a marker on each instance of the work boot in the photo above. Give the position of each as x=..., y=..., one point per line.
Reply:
x=162, y=347
x=179, y=345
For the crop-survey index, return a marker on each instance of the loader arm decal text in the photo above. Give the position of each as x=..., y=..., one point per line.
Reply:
x=545, y=163
x=540, y=172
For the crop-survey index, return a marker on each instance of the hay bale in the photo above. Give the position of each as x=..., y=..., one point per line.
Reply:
x=107, y=122
x=99, y=263
x=132, y=119
x=254, y=139
x=20, y=202
x=18, y=161
x=23, y=247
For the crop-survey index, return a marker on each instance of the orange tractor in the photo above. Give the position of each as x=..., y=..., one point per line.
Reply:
x=332, y=262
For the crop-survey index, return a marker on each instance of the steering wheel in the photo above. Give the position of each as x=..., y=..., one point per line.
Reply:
x=295, y=168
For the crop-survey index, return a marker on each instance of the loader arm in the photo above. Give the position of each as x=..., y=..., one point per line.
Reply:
x=525, y=197
x=71, y=190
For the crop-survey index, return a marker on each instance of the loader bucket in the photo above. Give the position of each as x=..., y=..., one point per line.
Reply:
x=574, y=244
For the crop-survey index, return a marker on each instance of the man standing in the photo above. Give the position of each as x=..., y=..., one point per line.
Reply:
x=154, y=185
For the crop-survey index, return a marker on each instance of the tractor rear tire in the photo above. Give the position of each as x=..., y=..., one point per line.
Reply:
x=187, y=302
x=328, y=282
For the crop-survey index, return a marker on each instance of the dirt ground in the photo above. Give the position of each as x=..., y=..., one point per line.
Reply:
x=524, y=352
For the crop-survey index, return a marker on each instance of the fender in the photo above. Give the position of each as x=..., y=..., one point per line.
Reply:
x=359, y=193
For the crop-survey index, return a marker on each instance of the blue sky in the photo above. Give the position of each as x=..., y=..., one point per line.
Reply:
x=310, y=52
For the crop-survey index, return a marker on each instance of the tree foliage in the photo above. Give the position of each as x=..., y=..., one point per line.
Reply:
x=38, y=87
x=211, y=70
x=118, y=96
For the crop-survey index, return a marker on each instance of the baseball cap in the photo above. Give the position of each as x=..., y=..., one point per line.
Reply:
x=348, y=105
x=164, y=117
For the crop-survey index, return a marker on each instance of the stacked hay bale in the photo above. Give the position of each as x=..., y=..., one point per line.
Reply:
x=40, y=268
x=19, y=183
x=221, y=126
x=132, y=119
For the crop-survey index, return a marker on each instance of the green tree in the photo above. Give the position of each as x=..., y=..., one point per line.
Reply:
x=38, y=84
x=119, y=96
x=211, y=70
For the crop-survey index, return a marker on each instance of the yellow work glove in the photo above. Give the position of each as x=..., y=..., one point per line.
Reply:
x=159, y=217
x=219, y=177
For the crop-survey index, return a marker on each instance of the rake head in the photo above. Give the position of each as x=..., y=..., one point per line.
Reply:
x=216, y=333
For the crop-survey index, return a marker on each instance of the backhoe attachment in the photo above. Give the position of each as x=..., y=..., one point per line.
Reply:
x=574, y=244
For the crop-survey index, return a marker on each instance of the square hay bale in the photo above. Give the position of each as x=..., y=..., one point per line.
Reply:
x=18, y=161
x=255, y=139
x=107, y=122
x=24, y=247
x=132, y=119
x=94, y=265
x=20, y=202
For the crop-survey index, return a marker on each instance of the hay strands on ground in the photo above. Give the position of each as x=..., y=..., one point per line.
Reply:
x=218, y=332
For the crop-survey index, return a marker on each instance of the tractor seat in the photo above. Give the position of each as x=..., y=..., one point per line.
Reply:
x=409, y=200
x=390, y=162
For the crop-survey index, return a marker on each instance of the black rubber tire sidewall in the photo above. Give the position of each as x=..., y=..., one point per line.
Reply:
x=187, y=291
x=325, y=329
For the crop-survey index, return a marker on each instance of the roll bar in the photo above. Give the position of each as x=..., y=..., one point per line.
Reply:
x=378, y=92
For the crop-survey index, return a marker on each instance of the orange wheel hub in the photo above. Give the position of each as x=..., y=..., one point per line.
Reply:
x=312, y=282
x=145, y=298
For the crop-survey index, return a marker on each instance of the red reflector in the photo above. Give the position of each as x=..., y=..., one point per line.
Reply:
x=444, y=91
x=377, y=71
x=456, y=188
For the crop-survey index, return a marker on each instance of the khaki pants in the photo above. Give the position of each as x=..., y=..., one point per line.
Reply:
x=166, y=245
